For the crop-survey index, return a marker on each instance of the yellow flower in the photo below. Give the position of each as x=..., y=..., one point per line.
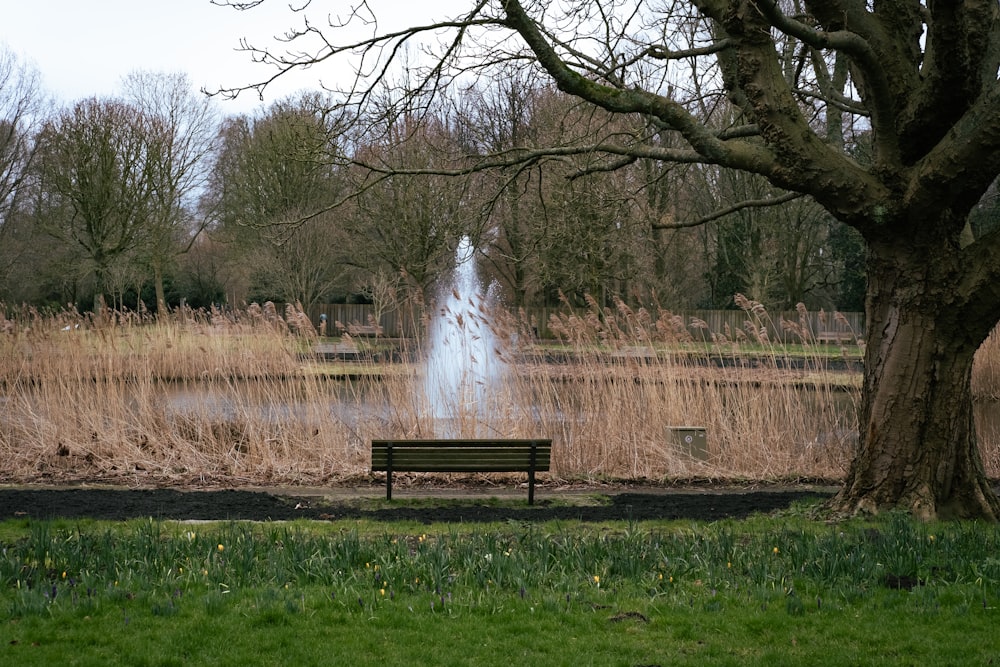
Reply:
x=661, y=576
x=64, y=574
x=597, y=580
x=671, y=580
x=221, y=548
x=930, y=537
x=381, y=592
x=729, y=564
x=775, y=551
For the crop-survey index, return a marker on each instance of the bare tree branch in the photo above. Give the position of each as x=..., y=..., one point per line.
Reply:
x=735, y=208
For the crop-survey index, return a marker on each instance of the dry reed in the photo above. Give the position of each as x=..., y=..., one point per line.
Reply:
x=213, y=398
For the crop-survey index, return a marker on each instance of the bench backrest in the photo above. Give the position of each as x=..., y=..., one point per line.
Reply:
x=462, y=455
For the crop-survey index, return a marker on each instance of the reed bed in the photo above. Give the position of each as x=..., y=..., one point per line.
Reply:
x=211, y=398
x=768, y=414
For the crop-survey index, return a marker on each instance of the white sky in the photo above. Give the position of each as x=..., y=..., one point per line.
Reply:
x=84, y=48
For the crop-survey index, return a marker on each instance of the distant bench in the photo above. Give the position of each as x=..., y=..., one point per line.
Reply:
x=364, y=330
x=834, y=337
x=478, y=455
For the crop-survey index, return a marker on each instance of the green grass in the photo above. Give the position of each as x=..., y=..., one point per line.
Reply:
x=481, y=499
x=768, y=590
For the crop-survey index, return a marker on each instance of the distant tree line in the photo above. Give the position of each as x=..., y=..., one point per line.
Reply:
x=151, y=199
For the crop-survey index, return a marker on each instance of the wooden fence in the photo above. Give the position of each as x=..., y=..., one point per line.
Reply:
x=701, y=324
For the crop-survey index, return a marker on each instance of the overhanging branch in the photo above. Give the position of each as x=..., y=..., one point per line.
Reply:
x=735, y=208
x=737, y=155
x=285, y=63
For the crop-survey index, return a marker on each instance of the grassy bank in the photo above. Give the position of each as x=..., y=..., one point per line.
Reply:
x=785, y=590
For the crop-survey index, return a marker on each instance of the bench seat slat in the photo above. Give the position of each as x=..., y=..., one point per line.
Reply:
x=444, y=467
x=466, y=451
x=401, y=459
x=461, y=444
x=452, y=455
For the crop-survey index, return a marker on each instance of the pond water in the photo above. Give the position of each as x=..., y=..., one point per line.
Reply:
x=346, y=411
x=347, y=404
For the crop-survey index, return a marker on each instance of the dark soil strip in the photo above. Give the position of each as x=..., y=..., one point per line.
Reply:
x=251, y=505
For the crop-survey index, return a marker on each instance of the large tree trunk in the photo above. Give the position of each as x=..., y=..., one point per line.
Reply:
x=918, y=448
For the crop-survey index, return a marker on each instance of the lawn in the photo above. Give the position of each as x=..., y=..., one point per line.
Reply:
x=784, y=589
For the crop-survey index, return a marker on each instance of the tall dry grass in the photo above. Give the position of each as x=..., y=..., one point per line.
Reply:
x=770, y=411
x=214, y=398
x=986, y=394
x=198, y=397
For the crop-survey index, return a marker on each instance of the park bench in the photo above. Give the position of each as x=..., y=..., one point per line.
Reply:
x=358, y=330
x=477, y=455
x=838, y=337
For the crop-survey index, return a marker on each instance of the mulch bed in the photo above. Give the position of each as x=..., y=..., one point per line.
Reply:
x=113, y=504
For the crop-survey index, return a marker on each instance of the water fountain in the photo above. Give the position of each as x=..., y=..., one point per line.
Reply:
x=463, y=386
x=464, y=370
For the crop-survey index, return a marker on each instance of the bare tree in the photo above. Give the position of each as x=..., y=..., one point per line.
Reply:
x=271, y=172
x=409, y=223
x=777, y=255
x=552, y=225
x=20, y=103
x=97, y=193
x=204, y=273
x=189, y=123
x=921, y=78
x=308, y=265
x=506, y=116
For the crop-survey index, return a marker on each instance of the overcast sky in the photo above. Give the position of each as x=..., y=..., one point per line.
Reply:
x=85, y=47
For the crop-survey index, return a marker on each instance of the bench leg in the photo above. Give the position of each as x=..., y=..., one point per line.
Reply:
x=388, y=484
x=531, y=474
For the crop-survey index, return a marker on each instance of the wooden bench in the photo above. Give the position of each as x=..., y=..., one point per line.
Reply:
x=358, y=330
x=838, y=337
x=483, y=455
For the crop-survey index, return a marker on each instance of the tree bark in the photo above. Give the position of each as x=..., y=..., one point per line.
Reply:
x=918, y=447
x=161, y=298
x=100, y=286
